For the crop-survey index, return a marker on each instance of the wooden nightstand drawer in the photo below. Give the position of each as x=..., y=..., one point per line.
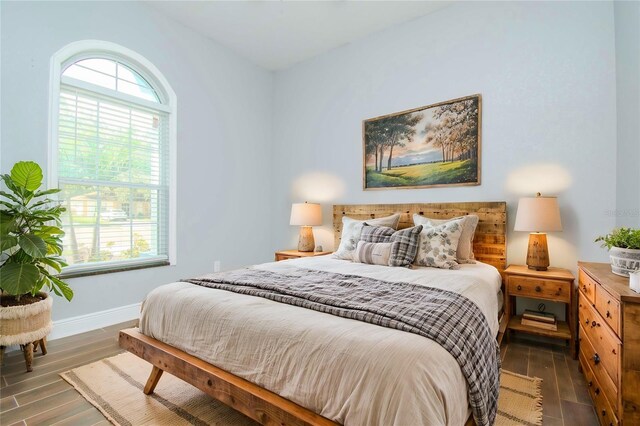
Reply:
x=587, y=285
x=609, y=308
x=605, y=412
x=592, y=357
x=559, y=291
x=604, y=342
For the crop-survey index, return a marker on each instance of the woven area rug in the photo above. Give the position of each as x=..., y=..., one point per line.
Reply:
x=114, y=386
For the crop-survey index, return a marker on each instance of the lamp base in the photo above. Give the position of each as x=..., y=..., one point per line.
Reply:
x=538, y=252
x=306, y=242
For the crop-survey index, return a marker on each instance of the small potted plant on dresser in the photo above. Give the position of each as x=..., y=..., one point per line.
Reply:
x=624, y=250
x=31, y=243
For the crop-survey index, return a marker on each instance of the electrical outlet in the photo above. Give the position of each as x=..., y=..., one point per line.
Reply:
x=216, y=266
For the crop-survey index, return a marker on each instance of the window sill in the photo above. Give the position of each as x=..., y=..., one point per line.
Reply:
x=121, y=268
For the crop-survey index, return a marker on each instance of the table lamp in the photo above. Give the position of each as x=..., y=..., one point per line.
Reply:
x=538, y=215
x=306, y=215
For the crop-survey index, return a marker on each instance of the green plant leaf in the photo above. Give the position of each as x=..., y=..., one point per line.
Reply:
x=50, y=230
x=27, y=174
x=18, y=278
x=47, y=192
x=11, y=184
x=6, y=242
x=33, y=245
x=7, y=223
x=63, y=287
x=10, y=196
x=51, y=262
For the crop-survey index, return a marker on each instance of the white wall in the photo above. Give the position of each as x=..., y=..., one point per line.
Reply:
x=546, y=72
x=627, y=19
x=224, y=133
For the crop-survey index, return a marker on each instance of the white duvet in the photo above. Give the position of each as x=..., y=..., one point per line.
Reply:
x=349, y=371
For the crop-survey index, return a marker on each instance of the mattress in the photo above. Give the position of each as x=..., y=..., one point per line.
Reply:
x=351, y=372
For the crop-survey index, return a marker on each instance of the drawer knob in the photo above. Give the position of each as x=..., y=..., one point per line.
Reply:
x=608, y=302
x=519, y=287
x=593, y=323
x=590, y=383
x=538, y=289
x=613, y=351
x=586, y=321
x=597, y=391
x=584, y=287
x=558, y=292
x=596, y=359
x=604, y=412
x=608, y=314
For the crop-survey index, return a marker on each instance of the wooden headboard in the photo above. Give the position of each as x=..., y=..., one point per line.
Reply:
x=489, y=244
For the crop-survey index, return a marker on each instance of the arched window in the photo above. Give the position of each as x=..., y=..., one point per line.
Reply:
x=112, y=152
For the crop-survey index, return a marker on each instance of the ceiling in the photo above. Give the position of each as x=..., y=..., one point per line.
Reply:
x=278, y=34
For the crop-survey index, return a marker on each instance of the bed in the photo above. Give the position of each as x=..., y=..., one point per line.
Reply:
x=283, y=364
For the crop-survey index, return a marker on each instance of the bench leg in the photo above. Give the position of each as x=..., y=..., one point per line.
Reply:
x=28, y=356
x=152, y=381
x=43, y=345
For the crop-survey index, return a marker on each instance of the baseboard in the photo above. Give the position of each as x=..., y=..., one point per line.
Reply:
x=83, y=323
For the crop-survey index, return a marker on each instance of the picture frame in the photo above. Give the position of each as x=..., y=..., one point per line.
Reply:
x=432, y=146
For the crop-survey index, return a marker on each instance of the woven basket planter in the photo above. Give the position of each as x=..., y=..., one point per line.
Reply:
x=624, y=261
x=20, y=325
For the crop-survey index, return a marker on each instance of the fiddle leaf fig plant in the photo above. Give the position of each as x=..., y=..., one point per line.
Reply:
x=30, y=235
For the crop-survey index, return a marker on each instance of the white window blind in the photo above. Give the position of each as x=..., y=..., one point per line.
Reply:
x=113, y=169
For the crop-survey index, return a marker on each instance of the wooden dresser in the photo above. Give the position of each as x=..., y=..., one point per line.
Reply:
x=609, y=338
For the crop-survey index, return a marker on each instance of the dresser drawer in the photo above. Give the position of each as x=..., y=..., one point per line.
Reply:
x=587, y=285
x=604, y=342
x=606, y=414
x=609, y=308
x=555, y=290
x=592, y=358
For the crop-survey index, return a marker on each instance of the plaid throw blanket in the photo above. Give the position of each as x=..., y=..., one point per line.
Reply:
x=451, y=320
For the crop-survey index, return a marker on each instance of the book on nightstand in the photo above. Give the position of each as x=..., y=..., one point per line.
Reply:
x=542, y=320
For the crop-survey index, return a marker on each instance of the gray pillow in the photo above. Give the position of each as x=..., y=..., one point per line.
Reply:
x=376, y=234
x=404, y=246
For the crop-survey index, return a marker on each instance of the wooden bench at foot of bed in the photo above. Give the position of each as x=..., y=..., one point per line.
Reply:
x=261, y=405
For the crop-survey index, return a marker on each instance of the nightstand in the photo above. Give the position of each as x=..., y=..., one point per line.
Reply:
x=295, y=254
x=554, y=285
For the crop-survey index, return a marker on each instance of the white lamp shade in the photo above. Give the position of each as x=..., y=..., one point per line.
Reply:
x=538, y=214
x=306, y=214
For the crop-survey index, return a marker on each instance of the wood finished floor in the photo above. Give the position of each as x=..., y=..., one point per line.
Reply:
x=43, y=398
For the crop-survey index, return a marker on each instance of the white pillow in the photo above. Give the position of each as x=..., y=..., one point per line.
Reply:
x=352, y=228
x=464, y=253
x=438, y=244
x=373, y=253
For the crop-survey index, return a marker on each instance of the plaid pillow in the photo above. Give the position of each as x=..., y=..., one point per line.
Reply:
x=404, y=246
x=376, y=234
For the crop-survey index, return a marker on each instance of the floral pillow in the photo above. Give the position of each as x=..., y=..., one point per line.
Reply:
x=465, y=245
x=438, y=245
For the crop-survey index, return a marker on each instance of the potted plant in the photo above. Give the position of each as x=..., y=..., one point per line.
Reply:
x=31, y=245
x=624, y=250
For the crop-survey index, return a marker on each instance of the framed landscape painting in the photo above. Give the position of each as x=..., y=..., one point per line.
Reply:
x=435, y=145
